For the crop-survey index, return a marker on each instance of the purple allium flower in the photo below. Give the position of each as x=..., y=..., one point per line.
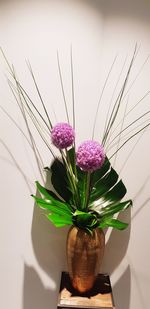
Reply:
x=62, y=135
x=90, y=156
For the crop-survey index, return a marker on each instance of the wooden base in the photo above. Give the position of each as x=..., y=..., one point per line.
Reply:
x=99, y=297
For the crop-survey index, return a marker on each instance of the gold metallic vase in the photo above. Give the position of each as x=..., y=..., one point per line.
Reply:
x=84, y=255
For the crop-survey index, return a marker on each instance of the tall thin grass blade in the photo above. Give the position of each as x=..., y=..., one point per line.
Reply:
x=32, y=141
x=35, y=121
x=137, y=75
x=39, y=93
x=126, y=136
x=112, y=97
x=25, y=136
x=26, y=104
x=12, y=72
x=62, y=87
x=117, y=104
x=120, y=133
x=72, y=87
x=130, y=153
x=130, y=86
x=101, y=95
x=146, y=126
x=128, y=126
x=113, y=131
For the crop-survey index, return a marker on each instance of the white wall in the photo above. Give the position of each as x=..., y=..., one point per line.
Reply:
x=32, y=251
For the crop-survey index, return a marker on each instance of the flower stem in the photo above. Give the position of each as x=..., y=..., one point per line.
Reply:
x=68, y=175
x=87, y=189
x=73, y=179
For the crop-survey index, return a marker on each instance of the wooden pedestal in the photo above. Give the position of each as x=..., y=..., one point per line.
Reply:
x=100, y=297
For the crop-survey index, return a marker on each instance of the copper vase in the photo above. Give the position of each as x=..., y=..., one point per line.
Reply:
x=84, y=255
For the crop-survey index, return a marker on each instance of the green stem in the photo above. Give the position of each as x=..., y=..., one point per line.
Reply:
x=68, y=175
x=75, y=167
x=87, y=189
x=73, y=179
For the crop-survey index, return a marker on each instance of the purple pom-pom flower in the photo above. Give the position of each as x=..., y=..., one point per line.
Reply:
x=62, y=135
x=90, y=156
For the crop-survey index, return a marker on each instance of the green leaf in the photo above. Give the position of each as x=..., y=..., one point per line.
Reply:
x=48, y=197
x=43, y=191
x=82, y=177
x=112, y=209
x=107, y=192
x=98, y=174
x=72, y=158
x=54, y=195
x=85, y=220
x=116, y=193
x=104, y=184
x=113, y=223
x=54, y=207
x=109, y=198
x=59, y=221
x=47, y=194
x=60, y=181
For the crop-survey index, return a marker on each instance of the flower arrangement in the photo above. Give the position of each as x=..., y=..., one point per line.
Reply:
x=86, y=190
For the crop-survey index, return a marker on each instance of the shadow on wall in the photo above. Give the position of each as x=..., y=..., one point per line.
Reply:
x=115, y=251
x=122, y=290
x=136, y=9
x=35, y=294
x=115, y=8
x=117, y=245
x=49, y=245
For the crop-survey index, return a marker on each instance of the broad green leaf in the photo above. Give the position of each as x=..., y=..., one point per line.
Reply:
x=46, y=195
x=107, y=191
x=113, y=223
x=109, y=198
x=112, y=209
x=98, y=174
x=58, y=220
x=60, y=180
x=43, y=191
x=116, y=193
x=60, y=208
x=54, y=195
x=104, y=184
x=42, y=203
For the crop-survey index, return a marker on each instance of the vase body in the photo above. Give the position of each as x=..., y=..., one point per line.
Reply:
x=84, y=256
